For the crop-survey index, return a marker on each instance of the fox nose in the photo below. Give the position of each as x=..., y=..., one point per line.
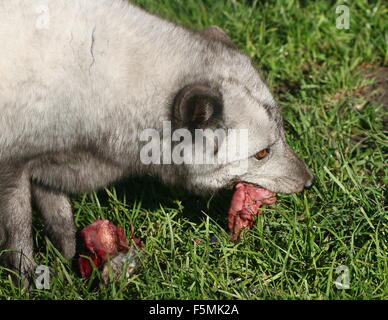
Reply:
x=310, y=183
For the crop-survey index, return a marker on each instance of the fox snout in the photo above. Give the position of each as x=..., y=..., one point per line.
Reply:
x=301, y=172
x=294, y=175
x=283, y=172
x=310, y=183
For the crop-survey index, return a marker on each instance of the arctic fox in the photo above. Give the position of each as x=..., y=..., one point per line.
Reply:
x=81, y=79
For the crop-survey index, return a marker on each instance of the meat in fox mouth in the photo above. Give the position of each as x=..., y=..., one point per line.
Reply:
x=246, y=202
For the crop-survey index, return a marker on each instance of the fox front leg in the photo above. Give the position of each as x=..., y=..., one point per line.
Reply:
x=58, y=219
x=16, y=221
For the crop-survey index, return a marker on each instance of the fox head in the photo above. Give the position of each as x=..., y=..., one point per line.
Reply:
x=230, y=108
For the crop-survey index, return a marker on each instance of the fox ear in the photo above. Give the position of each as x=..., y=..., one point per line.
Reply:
x=218, y=34
x=198, y=106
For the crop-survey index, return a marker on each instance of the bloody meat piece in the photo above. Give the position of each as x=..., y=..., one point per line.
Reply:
x=245, y=206
x=103, y=241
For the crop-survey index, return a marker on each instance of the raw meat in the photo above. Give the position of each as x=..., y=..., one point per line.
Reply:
x=104, y=241
x=245, y=206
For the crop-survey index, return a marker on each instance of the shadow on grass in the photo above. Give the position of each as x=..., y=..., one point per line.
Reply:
x=153, y=195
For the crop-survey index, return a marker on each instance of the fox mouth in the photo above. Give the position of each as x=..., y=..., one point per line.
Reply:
x=246, y=203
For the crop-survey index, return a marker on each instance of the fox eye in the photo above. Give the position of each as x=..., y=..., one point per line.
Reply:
x=262, y=154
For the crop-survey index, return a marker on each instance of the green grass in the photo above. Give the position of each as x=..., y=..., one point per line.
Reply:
x=317, y=74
